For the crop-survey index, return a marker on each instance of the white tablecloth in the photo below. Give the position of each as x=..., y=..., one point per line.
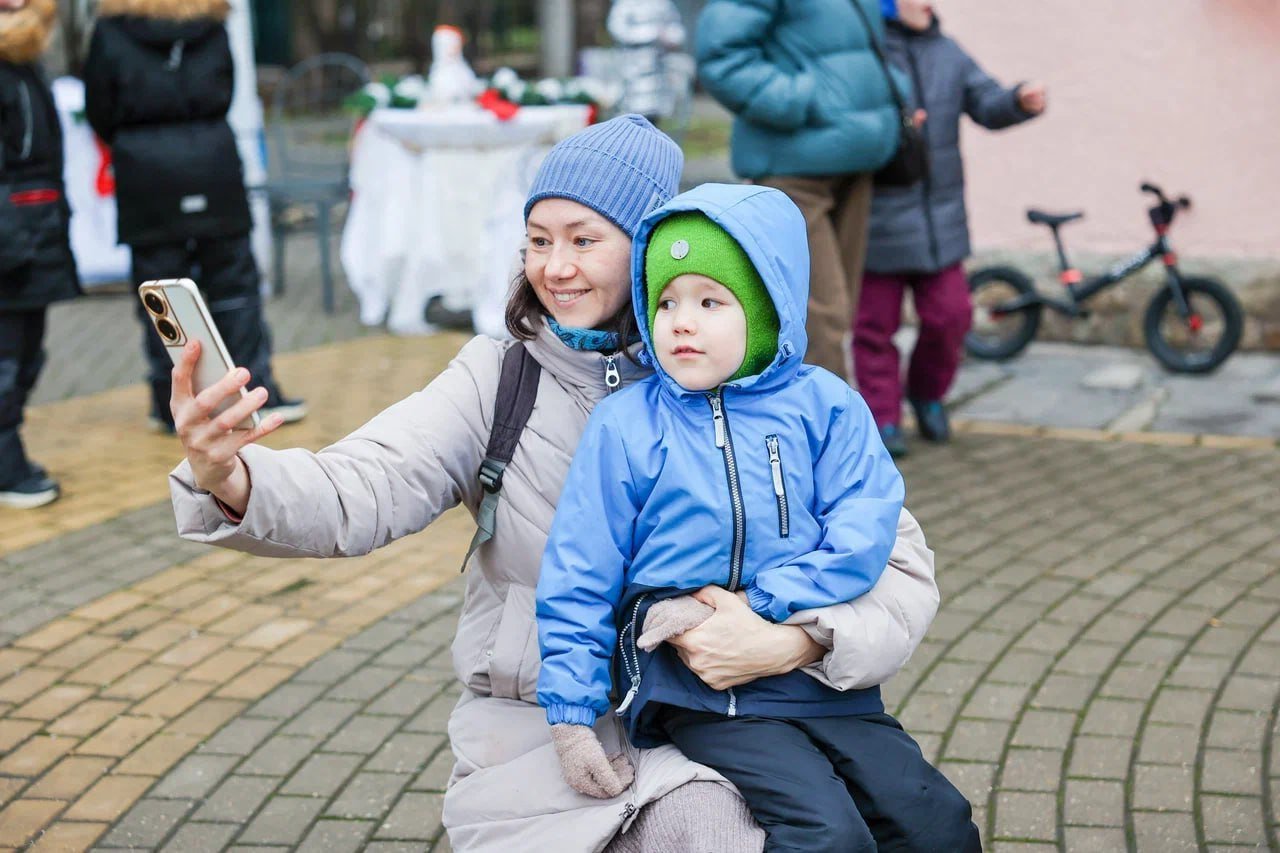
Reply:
x=437, y=209
x=99, y=260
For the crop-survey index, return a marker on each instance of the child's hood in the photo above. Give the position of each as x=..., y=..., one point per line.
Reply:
x=771, y=229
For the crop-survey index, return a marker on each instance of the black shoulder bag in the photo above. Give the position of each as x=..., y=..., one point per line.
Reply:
x=910, y=163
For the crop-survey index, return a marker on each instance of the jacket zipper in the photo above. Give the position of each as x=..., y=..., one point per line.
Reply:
x=175, y=55
x=612, y=376
x=724, y=441
x=926, y=187
x=29, y=131
x=779, y=485
x=630, y=665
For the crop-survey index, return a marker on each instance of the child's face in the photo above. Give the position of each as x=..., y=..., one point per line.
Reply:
x=916, y=14
x=700, y=332
x=578, y=262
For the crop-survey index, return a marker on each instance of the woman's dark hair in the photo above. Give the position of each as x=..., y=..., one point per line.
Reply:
x=524, y=315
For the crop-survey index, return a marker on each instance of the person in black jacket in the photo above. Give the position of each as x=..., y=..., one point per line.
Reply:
x=158, y=83
x=36, y=265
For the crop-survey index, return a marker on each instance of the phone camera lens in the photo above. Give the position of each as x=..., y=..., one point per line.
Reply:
x=167, y=330
x=154, y=303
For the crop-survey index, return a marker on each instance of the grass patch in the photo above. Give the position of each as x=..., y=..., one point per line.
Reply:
x=706, y=137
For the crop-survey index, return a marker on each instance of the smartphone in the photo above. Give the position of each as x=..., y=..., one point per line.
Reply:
x=178, y=313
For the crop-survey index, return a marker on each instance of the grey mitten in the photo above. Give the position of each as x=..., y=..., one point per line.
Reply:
x=671, y=617
x=585, y=766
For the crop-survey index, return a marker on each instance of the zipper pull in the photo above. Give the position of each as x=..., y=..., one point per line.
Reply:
x=631, y=694
x=717, y=417
x=612, y=377
x=175, y=54
x=775, y=463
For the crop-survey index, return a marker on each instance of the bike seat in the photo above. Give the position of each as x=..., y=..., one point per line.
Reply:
x=1053, y=220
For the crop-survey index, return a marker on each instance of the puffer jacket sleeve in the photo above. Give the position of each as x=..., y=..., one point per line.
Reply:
x=986, y=101
x=858, y=496
x=871, y=638
x=225, y=73
x=17, y=247
x=729, y=46
x=390, y=478
x=100, y=84
x=583, y=567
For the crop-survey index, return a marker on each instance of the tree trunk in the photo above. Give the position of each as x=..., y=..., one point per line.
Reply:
x=591, y=17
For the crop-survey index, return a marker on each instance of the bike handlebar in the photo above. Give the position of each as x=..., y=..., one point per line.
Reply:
x=1181, y=201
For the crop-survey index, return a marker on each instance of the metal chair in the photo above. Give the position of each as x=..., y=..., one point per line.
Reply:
x=309, y=156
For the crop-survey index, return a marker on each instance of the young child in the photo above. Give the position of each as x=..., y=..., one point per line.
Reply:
x=736, y=465
x=36, y=265
x=920, y=234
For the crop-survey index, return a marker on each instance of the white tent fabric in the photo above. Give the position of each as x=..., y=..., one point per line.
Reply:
x=93, y=213
x=245, y=118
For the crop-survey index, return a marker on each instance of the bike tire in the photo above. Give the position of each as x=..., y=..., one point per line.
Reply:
x=1013, y=336
x=1197, y=290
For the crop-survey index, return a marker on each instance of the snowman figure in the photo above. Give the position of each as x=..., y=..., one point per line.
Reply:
x=450, y=79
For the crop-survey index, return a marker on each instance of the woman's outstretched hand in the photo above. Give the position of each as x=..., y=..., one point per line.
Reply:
x=735, y=645
x=211, y=441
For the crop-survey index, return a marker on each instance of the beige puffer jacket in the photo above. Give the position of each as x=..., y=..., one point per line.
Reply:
x=397, y=473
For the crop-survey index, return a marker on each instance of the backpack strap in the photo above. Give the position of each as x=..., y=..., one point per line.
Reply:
x=517, y=391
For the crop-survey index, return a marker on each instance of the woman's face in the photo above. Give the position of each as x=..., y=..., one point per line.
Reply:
x=578, y=262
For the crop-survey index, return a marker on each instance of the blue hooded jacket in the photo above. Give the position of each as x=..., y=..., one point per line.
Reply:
x=777, y=484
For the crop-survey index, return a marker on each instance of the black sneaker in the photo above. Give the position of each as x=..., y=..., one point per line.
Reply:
x=894, y=441
x=278, y=404
x=931, y=420
x=36, y=490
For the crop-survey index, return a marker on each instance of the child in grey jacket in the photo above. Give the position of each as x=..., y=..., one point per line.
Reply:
x=920, y=233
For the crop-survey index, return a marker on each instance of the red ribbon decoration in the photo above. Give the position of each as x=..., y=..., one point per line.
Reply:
x=493, y=101
x=105, y=181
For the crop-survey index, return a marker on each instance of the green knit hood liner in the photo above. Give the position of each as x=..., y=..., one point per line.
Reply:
x=690, y=242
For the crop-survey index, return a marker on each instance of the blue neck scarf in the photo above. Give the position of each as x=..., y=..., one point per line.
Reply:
x=585, y=340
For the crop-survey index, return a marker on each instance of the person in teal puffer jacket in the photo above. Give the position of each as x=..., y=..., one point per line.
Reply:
x=814, y=117
x=738, y=466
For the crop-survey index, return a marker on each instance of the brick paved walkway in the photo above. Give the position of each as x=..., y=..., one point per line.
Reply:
x=1102, y=674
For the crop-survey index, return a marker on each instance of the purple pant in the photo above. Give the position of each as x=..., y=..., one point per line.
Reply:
x=942, y=302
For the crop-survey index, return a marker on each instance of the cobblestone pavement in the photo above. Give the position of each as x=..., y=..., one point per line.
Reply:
x=1103, y=674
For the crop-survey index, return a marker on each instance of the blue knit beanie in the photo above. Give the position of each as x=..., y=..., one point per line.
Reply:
x=622, y=169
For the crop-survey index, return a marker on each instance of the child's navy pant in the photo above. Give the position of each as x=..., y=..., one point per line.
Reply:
x=848, y=784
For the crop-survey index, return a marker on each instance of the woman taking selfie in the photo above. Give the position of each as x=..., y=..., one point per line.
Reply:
x=570, y=310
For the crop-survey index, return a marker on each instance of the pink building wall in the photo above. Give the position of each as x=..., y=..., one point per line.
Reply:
x=1185, y=93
